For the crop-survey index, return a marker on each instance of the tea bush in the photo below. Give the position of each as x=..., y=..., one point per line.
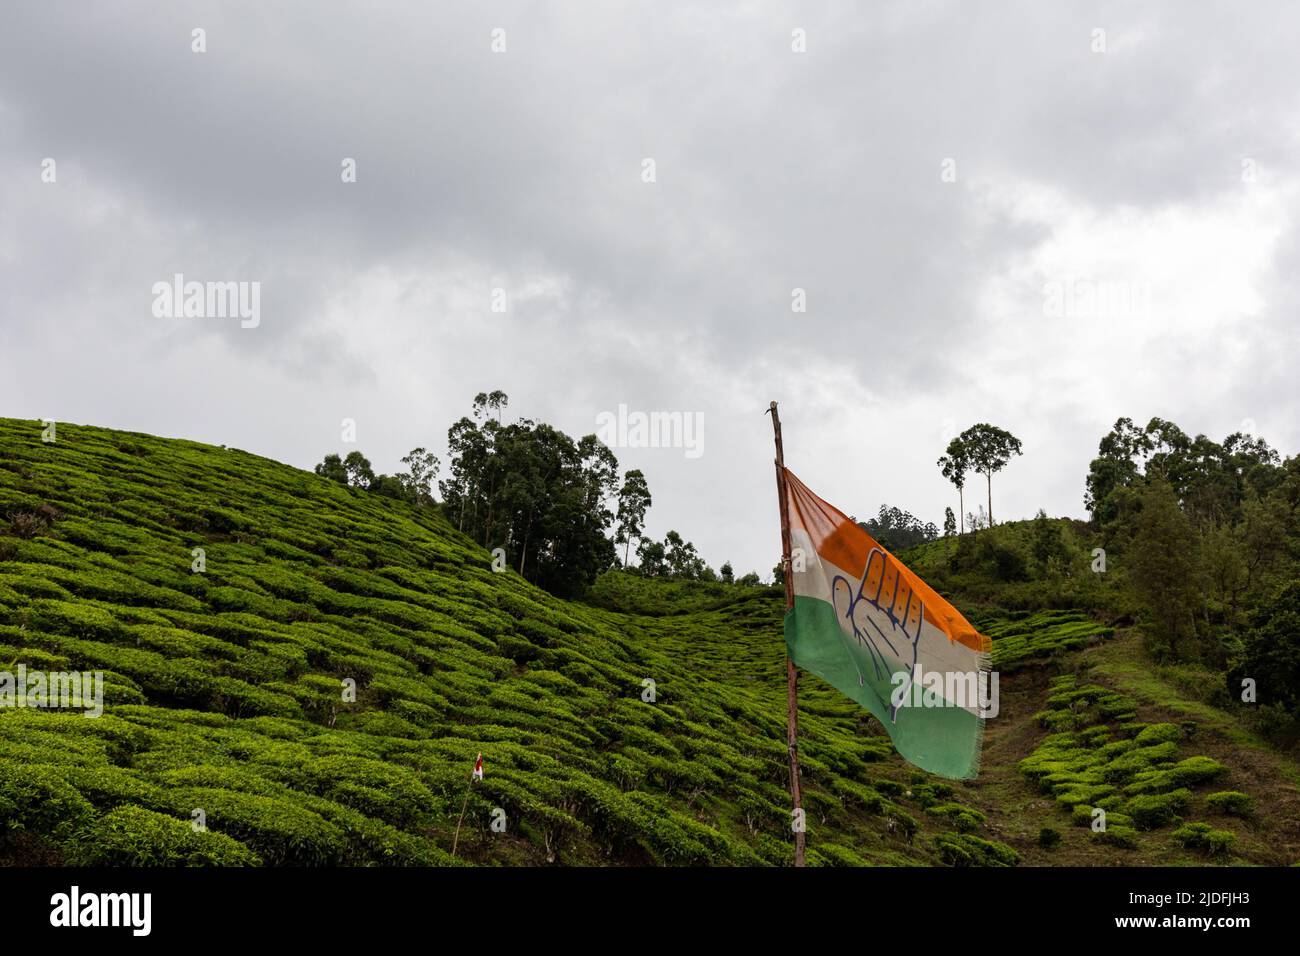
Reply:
x=1231, y=803
x=133, y=836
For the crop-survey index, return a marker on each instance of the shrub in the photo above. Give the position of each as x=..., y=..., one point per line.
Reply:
x=1128, y=765
x=107, y=786
x=1059, y=720
x=1048, y=837
x=378, y=789
x=75, y=619
x=1195, y=770
x=1158, y=734
x=896, y=819
x=28, y=524
x=890, y=788
x=37, y=799
x=133, y=836
x=1150, y=811
x=853, y=793
x=278, y=830
x=830, y=854
x=1200, y=836
x=1081, y=815
x=962, y=849
x=1120, y=836
x=965, y=819
x=1187, y=772
x=1231, y=803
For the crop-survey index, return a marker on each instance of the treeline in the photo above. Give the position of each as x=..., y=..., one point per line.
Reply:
x=675, y=557
x=1210, y=535
x=529, y=489
x=895, y=529
x=552, y=508
x=414, y=485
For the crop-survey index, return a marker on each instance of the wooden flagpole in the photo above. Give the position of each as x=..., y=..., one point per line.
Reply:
x=456, y=839
x=472, y=774
x=791, y=673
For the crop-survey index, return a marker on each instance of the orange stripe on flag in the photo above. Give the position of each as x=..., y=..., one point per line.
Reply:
x=844, y=544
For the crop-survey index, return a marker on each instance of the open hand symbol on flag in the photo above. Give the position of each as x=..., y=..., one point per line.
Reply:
x=882, y=614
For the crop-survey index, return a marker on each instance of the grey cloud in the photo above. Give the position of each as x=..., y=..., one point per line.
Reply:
x=775, y=171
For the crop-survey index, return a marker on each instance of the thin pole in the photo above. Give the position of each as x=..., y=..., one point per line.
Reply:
x=456, y=838
x=791, y=673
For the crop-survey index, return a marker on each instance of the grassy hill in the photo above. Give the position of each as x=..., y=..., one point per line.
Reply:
x=226, y=698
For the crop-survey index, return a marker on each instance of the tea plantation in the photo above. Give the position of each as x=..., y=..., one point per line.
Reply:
x=225, y=697
x=1020, y=637
x=1134, y=772
x=309, y=670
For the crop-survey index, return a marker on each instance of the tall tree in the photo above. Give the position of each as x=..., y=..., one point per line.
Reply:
x=681, y=557
x=955, y=464
x=494, y=401
x=1116, y=465
x=1211, y=480
x=1165, y=570
x=359, y=472
x=468, y=448
x=421, y=472
x=650, y=557
x=987, y=449
x=633, y=502
x=332, y=468
x=1047, y=544
x=534, y=491
x=1271, y=656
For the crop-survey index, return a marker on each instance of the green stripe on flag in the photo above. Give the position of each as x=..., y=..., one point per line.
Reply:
x=943, y=740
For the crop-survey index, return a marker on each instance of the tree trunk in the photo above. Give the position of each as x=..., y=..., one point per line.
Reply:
x=988, y=476
x=523, y=552
x=961, y=506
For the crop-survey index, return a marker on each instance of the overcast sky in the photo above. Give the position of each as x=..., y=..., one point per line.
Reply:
x=1044, y=216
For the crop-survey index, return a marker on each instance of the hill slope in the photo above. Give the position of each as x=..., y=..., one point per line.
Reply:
x=226, y=696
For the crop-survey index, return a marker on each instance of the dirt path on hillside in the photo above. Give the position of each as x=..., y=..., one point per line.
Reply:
x=1017, y=810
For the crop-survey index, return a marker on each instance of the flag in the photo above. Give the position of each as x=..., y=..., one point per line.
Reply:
x=478, y=768
x=877, y=633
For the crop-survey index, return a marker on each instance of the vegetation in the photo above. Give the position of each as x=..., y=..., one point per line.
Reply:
x=415, y=485
x=955, y=465
x=310, y=665
x=895, y=529
x=538, y=495
x=1211, y=534
x=982, y=449
x=633, y=502
x=320, y=689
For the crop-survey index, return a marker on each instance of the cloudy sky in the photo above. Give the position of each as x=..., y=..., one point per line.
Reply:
x=1041, y=216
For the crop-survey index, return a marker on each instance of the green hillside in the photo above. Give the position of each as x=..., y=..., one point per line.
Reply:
x=225, y=695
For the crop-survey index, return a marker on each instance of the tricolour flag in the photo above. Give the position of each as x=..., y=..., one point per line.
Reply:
x=478, y=768
x=876, y=632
